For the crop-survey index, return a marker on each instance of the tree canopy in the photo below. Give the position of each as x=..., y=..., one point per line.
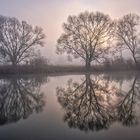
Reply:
x=18, y=40
x=128, y=36
x=86, y=36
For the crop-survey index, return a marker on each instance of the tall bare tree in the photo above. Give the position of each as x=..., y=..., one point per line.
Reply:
x=86, y=36
x=18, y=40
x=128, y=35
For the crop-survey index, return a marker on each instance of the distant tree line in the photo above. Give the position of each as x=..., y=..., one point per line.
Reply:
x=93, y=37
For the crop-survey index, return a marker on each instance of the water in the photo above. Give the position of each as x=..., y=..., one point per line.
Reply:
x=88, y=106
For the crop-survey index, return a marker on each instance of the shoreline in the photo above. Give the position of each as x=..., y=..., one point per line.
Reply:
x=61, y=70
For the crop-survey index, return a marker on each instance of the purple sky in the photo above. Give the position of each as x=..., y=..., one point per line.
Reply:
x=50, y=14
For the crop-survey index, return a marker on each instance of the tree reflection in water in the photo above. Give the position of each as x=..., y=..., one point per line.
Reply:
x=19, y=98
x=127, y=104
x=89, y=105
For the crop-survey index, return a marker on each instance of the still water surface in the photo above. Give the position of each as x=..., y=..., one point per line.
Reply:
x=88, y=106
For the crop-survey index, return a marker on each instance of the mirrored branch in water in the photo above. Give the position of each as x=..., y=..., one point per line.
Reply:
x=126, y=107
x=87, y=104
x=97, y=102
x=19, y=98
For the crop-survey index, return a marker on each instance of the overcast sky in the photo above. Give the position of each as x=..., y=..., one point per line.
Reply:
x=50, y=14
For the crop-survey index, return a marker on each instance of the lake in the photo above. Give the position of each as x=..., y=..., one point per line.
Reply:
x=87, y=106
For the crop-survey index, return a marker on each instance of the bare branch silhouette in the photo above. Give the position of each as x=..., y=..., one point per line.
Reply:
x=18, y=40
x=86, y=36
x=87, y=105
x=127, y=103
x=19, y=98
x=128, y=36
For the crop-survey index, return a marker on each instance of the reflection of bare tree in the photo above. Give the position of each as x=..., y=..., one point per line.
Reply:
x=87, y=104
x=127, y=102
x=19, y=98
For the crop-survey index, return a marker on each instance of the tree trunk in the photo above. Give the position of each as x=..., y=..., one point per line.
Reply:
x=87, y=77
x=88, y=64
x=135, y=60
x=14, y=64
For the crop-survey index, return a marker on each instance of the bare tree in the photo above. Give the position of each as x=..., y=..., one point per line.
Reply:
x=128, y=36
x=86, y=36
x=18, y=40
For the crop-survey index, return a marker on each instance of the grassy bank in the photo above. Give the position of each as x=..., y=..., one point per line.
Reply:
x=50, y=69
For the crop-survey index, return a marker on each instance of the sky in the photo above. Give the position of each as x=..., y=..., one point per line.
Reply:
x=51, y=14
